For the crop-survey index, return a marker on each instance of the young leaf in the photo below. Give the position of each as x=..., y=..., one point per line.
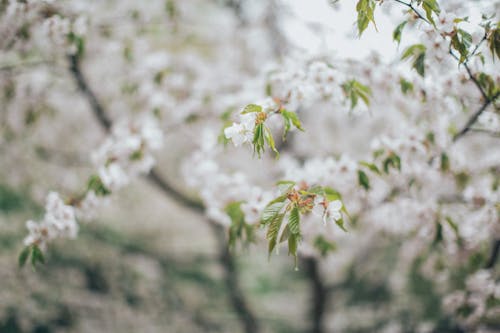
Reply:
x=396, y=35
x=365, y=9
x=293, y=244
x=23, y=256
x=430, y=6
x=294, y=221
x=371, y=166
x=417, y=53
x=252, y=108
x=258, y=139
x=270, y=141
x=36, y=256
x=271, y=211
x=273, y=230
x=363, y=179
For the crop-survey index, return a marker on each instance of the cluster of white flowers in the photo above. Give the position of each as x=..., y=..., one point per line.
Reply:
x=128, y=151
x=243, y=131
x=59, y=221
x=471, y=304
x=301, y=83
x=218, y=188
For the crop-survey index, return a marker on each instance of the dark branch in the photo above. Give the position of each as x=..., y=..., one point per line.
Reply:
x=495, y=251
x=227, y=261
x=319, y=292
x=410, y=5
x=472, y=120
x=96, y=107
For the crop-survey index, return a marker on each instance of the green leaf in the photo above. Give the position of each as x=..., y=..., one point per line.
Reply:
x=331, y=194
x=290, y=118
x=363, y=179
x=340, y=223
x=494, y=41
x=396, y=35
x=406, y=86
x=417, y=53
x=23, y=256
x=355, y=90
x=430, y=6
x=258, y=139
x=445, y=162
x=324, y=246
x=271, y=211
x=95, y=184
x=365, y=10
x=293, y=244
x=370, y=166
x=239, y=229
x=251, y=108
x=273, y=230
x=461, y=41
x=36, y=256
x=285, y=234
x=270, y=140
x=294, y=221
x=393, y=161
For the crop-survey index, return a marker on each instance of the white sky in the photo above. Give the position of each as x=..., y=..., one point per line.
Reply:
x=339, y=29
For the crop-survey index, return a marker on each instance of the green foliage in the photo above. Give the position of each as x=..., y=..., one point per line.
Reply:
x=461, y=41
x=291, y=204
x=270, y=140
x=290, y=118
x=258, y=139
x=365, y=10
x=406, y=86
x=239, y=229
x=392, y=161
x=324, y=246
x=34, y=252
x=372, y=167
x=250, y=108
x=430, y=7
x=272, y=210
x=494, y=41
x=95, y=184
x=488, y=84
x=79, y=43
x=445, y=162
x=396, y=34
x=363, y=179
x=355, y=91
x=417, y=53
x=273, y=230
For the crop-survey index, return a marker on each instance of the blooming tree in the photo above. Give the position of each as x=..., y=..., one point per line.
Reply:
x=314, y=153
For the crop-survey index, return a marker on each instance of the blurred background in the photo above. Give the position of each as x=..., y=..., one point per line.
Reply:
x=147, y=263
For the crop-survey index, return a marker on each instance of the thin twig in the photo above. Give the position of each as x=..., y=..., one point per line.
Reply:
x=472, y=120
x=410, y=5
x=245, y=314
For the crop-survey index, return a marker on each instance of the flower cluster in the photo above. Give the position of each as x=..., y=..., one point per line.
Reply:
x=127, y=152
x=477, y=301
x=58, y=222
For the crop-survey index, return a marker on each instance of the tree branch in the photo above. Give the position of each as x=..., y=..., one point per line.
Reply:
x=472, y=120
x=244, y=312
x=495, y=251
x=319, y=292
x=410, y=5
